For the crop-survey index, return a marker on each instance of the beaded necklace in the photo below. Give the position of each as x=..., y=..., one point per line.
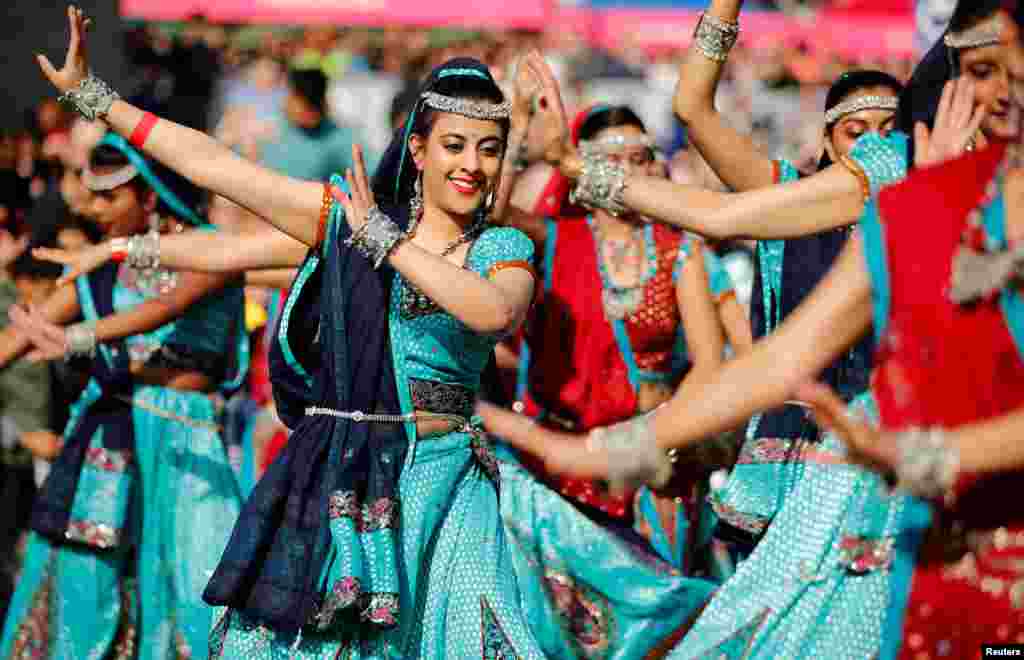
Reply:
x=621, y=301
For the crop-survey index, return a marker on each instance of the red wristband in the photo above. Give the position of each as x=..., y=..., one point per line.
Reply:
x=142, y=129
x=118, y=250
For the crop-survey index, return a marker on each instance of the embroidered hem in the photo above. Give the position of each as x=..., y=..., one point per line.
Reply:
x=382, y=513
x=738, y=519
x=97, y=535
x=108, y=460
x=380, y=609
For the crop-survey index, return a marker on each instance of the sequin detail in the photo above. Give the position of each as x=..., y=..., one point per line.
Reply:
x=585, y=614
x=108, y=460
x=97, y=535
x=494, y=644
x=435, y=397
x=382, y=513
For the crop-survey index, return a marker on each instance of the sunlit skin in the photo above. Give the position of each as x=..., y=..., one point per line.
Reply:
x=460, y=161
x=844, y=133
x=989, y=68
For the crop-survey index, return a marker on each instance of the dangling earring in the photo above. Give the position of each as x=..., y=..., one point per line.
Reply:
x=154, y=222
x=489, y=202
x=415, y=205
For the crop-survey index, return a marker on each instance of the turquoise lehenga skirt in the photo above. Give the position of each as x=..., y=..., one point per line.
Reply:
x=817, y=584
x=179, y=496
x=589, y=592
x=458, y=592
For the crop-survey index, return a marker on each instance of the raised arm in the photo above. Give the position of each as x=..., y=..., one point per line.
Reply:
x=732, y=155
x=291, y=205
x=215, y=252
x=705, y=342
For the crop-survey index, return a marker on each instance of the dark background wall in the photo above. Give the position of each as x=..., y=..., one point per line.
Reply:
x=30, y=26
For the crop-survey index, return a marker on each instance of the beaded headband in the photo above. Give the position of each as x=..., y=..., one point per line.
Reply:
x=976, y=37
x=468, y=107
x=103, y=182
x=840, y=110
x=615, y=143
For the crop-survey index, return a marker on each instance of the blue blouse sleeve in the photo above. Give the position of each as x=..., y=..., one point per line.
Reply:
x=500, y=245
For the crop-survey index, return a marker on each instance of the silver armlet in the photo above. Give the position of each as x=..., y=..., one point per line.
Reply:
x=377, y=237
x=928, y=466
x=91, y=99
x=634, y=459
x=601, y=184
x=80, y=340
x=714, y=38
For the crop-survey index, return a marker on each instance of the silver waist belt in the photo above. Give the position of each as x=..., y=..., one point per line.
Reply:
x=359, y=416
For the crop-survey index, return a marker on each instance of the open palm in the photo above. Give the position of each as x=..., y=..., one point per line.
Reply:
x=76, y=65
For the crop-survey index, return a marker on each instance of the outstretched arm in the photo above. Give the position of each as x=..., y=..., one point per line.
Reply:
x=291, y=205
x=61, y=307
x=49, y=337
x=215, y=252
x=829, y=321
x=732, y=155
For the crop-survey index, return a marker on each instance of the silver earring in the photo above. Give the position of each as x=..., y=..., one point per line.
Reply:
x=154, y=222
x=415, y=205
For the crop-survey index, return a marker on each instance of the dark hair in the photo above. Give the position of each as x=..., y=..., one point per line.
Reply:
x=310, y=84
x=847, y=84
x=404, y=101
x=29, y=267
x=105, y=155
x=463, y=78
x=609, y=116
x=920, y=98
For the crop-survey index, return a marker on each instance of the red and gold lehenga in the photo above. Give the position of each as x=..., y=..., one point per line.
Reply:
x=959, y=572
x=582, y=370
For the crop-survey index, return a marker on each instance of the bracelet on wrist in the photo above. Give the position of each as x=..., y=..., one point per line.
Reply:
x=928, y=466
x=91, y=98
x=80, y=340
x=714, y=38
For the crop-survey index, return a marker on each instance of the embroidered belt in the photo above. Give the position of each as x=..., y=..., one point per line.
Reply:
x=442, y=398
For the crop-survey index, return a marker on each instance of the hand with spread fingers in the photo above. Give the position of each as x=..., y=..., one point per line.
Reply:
x=554, y=139
x=49, y=340
x=76, y=65
x=78, y=262
x=956, y=128
x=358, y=202
x=865, y=444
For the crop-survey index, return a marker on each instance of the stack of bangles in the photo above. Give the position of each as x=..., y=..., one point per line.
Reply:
x=634, y=458
x=141, y=251
x=714, y=38
x=928, y=465
x=80, y=340
x=601, y=185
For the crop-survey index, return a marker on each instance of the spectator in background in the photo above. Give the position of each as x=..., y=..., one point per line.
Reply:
x=308, y=144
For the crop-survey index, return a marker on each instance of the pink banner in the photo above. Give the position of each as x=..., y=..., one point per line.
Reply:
x=520, y=14
x=673, y=29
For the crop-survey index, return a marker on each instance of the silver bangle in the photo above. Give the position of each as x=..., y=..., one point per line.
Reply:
x=928, y=466
x=601, y=184
x=377, y=237
x=92, y=98
x=634, y=459
x=80, y=340
x=714, y=38
x=144, y=251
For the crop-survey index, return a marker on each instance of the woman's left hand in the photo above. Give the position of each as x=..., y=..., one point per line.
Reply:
x=48, y=339
x=524, y=89
x=360, y=200
x=865, y=444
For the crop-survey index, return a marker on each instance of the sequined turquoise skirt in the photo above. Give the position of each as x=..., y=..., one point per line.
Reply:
x=459, y=597
x=588, y=592
x=74, y=601
x=818, y=583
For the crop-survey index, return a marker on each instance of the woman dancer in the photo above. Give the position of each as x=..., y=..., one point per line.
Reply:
x=609, y=339
x=815, y=335
x=780, y=442
x=114, y=567
x=415, y=293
